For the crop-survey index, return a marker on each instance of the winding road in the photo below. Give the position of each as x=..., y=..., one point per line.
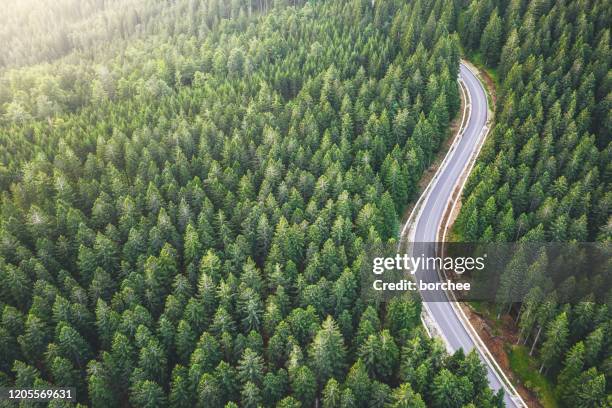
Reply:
x=427, y=222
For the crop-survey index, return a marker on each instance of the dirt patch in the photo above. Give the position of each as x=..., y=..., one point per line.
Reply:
x=496, y=336
x=484, y=76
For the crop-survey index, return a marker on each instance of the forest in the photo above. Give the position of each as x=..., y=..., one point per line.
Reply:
x=188, y=188
x=184, y=215
x=545, y=175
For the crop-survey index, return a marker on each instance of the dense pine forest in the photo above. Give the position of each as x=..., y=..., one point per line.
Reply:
x=187, y=194
x=546, y=174
x=188, y=188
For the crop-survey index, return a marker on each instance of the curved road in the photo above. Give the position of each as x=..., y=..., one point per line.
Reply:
x=431, y=213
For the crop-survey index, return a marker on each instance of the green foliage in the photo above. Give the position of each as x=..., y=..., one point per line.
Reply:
x=327, y=353
x=405, y=397
x=543, y=174
x=491, y=40
x=527, y=370
x=187, y=189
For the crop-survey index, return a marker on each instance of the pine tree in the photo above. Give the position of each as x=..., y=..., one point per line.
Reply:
x=359, y=383
x=556, y=341
x=592, y=390
x=303, y=384
x=147, y=394
x=180, y=390
x=208, y=391
x=327, y=353
x=403, y=316
x=449, y=390
x=275, y=387
x=250, y=395
x=251, y=367
x=572, y=368
x=332, y=394
x=405, y=397
x=490, y=42
x=389, y=217
x=98, y=385
x=185, y=341
x=207, y=353
x=289, y=402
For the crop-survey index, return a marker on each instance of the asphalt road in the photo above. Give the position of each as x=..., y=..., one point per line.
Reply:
x=430, y=217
